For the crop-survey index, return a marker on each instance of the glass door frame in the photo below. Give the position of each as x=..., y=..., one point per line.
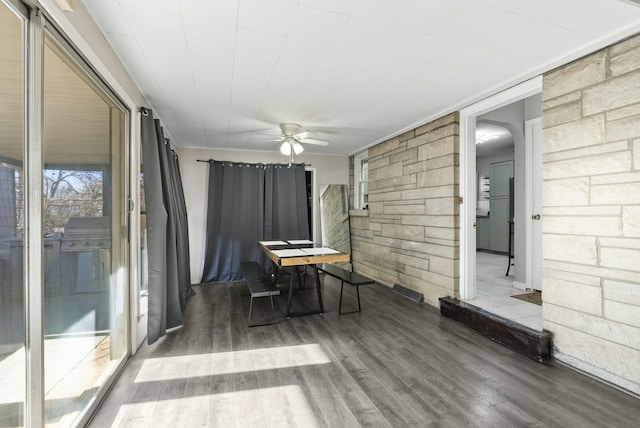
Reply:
x=37, y=23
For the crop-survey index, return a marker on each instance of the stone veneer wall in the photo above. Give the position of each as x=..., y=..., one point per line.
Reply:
x=591, y=214
x=410, y=234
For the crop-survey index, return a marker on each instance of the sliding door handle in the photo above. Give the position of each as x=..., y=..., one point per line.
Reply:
x=535, y=217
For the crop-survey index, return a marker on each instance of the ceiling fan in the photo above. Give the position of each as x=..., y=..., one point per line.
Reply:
x=292, y=139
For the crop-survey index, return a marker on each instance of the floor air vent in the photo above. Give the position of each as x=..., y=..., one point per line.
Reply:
x=408, y=293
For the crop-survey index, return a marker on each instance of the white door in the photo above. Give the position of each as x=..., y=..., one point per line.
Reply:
x=533, y=144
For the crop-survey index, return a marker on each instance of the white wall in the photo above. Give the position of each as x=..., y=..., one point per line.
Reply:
x=330, y=169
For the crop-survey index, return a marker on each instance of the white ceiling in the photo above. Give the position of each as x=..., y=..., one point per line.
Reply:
x=218, y=73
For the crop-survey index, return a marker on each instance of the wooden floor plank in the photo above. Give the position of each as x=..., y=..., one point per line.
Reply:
x=395, y=364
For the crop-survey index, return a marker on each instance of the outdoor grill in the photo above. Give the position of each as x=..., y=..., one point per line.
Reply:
x=89, y=240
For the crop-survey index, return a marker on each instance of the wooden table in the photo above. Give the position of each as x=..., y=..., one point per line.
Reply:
x=297, y=253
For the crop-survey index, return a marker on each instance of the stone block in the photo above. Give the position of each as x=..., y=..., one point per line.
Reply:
x=385, y=196
x=386, y=172
x=379, y=162
x=427, y=276
x=407, y=135
x=382, y=148
x=577, y=75
x=417, y=262
x=359, y=222
x=405, y=156
x=389, y=184
x=620, y=258
x=404, y=209
x=582, y=152
x=374, y=250
x=636, y=155
x=624, y=46
x=447, y=233
x=437, y=177
x=623, y=129
x=625, y=62
x=625, y=292
x=431, y=164
x=443, y=121
x=622, y=312
x=632, y=110
x=583, y=210
x=631, y=221
x=593, y=325
x=431, y=220
x=573, y=191
x=564, y=293
x=442, y=147
x=362, y=233
x=573, y=249
x=375, y=227
x=589, y=131
x=562, y=114
x=620, y=243
x=438, y=241
x=598, y=352
x=591, y=280
x=444, y=266
x=610, y=163
x=612, y=94
x=429, y=192
x=564, y=99
x=589, y=226
x=630, y=177
x=398, y=231
x=431, y=249
x=616, y=194
x=441, y=206
x=375, y=208
x=615, y=274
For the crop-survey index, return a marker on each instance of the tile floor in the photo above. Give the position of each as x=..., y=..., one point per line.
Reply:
x=494, y=288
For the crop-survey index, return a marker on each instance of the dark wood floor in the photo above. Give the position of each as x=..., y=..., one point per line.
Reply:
x=396, y=364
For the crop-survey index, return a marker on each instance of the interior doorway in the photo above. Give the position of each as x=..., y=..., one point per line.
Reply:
x=498, y=193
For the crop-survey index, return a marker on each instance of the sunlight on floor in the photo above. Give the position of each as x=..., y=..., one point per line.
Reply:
x=159, y=369
x=225, y=409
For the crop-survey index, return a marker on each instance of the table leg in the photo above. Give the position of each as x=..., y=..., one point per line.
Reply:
x=315, y=273
x=290, y=294
x=320, y=305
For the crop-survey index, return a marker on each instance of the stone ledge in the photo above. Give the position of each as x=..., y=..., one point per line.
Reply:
x=359, y=213
x=522, y=339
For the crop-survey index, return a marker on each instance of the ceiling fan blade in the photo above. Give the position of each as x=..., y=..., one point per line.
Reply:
x=315, y=141
x=270, y=135
x=305, y=134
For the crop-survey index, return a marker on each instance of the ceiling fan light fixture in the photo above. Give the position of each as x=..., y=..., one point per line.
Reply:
x=285, y=148
x=297, y=148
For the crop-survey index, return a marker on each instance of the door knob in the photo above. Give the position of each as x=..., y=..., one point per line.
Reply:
x=535, y=217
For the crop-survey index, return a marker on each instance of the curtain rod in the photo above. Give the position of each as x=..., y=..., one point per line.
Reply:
x=213, y=160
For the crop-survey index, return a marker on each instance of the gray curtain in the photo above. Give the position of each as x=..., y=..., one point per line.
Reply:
x=166, y=232
x=182, y=229
x=285, y=202
x=248, y=203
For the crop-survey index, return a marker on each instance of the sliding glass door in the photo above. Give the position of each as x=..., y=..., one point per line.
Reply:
x=84, y=318
x=63, y=227
x=12, y=222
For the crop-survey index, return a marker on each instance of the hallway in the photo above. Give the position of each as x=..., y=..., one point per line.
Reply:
x=395, y=364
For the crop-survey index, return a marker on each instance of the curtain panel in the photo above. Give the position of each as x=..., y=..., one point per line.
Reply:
x=247, y=203
x=167, y=237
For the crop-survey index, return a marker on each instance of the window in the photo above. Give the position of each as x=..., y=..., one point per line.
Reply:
x=361, y=181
